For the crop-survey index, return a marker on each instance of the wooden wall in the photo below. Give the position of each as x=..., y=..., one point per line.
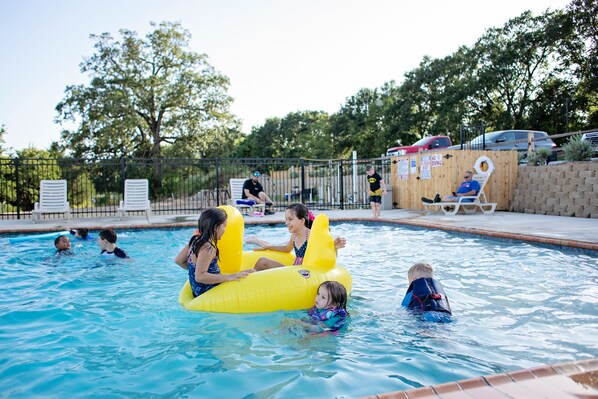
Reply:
x=448, y=176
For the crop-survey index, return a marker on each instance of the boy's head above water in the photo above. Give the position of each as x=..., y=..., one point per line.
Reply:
x=62, y=243
x=420, y=270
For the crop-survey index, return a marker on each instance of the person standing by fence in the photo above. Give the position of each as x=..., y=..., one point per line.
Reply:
x=377, y=190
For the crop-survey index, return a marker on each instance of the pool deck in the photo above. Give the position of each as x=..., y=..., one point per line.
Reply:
x=570, y=380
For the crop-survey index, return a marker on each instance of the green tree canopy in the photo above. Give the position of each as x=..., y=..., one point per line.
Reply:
x=145, y=94
x=2, y=142
x=299, y=134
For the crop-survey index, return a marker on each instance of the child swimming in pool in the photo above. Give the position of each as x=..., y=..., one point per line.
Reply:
x=200, y=255
x=298, y=220
x=81, y=233
x=63, y=245
x=107, y=242
x=425, y=295
x=329, y=312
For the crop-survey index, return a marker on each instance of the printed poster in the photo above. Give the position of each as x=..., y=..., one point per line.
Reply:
x=403, y=169
x=425, y=171
x=436, y=160
x=413, y=165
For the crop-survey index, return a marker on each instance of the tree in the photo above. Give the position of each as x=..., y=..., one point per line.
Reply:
x=298, y=134
x=2, y=142
x=358, y=125
x=144, y=94
x=513, y=63
x=580, y=52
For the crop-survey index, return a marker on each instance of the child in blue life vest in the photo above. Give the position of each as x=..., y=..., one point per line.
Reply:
x=425, y=295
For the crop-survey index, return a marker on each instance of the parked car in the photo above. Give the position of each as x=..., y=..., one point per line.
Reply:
x=592, y=137
x=425, y=144
x=509, y=140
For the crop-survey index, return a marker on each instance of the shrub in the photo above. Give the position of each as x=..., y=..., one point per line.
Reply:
x=578, y=150
x=539, y=157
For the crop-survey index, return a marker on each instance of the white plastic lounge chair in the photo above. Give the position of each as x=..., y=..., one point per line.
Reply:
x=236, y=195
x=136, y=198
x=469, y=204
x=52, y=199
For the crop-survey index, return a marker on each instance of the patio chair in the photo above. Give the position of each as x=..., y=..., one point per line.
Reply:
x=469, y=203
x=236, y=198
x=136, y=198
x=52, y=199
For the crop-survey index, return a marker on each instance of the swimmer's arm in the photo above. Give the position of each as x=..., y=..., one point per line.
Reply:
x=339, y=242
x=257, y=241
x=280, y=248
x=383, y=185
x=181, y=258
x=204, y=258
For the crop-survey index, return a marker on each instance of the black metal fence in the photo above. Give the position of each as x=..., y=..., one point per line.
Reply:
x=182, y=186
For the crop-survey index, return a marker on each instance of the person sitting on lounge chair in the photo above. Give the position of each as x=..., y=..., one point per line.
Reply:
x=253, y=190
x=469, y=187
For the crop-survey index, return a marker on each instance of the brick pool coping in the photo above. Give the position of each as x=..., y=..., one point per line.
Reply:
x=566, y=380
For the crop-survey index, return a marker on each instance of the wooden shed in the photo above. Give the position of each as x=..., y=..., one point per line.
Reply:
x=423, y=175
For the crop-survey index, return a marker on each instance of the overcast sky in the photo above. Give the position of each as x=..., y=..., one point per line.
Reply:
x=281, y=56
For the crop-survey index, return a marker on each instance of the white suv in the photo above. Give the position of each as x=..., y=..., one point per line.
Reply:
x=592, y=137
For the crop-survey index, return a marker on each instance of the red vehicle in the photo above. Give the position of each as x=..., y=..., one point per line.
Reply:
x=425, y=144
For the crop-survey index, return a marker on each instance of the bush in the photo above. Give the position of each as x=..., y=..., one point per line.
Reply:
x=578, y=150
x=539, y=157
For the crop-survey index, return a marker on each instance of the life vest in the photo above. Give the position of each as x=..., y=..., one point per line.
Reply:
x=426, y=294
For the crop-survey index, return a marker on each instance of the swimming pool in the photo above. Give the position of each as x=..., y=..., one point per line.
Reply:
x=82, y=326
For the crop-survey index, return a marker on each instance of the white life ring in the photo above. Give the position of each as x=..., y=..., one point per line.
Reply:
x=480, y=170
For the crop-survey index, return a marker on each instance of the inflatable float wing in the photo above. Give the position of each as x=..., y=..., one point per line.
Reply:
x=283, y=288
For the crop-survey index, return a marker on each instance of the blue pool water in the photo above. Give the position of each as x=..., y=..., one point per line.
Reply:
x=82, y=326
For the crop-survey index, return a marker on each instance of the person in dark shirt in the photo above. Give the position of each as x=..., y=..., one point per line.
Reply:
x=377, y=190
x=107, y=242
x=253, y=190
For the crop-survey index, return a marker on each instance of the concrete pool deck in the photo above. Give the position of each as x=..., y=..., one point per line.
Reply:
x=570, y=380
x=553, y=230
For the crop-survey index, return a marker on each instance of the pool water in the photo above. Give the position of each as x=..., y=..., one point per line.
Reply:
x=82, y=326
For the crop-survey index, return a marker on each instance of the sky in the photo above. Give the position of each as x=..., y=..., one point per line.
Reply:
x=280, y=56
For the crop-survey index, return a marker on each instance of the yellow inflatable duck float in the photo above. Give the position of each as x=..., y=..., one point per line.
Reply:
x=283, y=288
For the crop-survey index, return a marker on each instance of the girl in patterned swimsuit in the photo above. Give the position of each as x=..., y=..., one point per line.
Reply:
x=200, y=256
x=328, y=314
x=330, y=311
x=298, y=220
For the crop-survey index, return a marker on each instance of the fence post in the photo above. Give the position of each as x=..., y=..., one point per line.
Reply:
x=217, y=182
x=302, y=181
x=18, y=187
x=122, y=171
x=341, y=185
